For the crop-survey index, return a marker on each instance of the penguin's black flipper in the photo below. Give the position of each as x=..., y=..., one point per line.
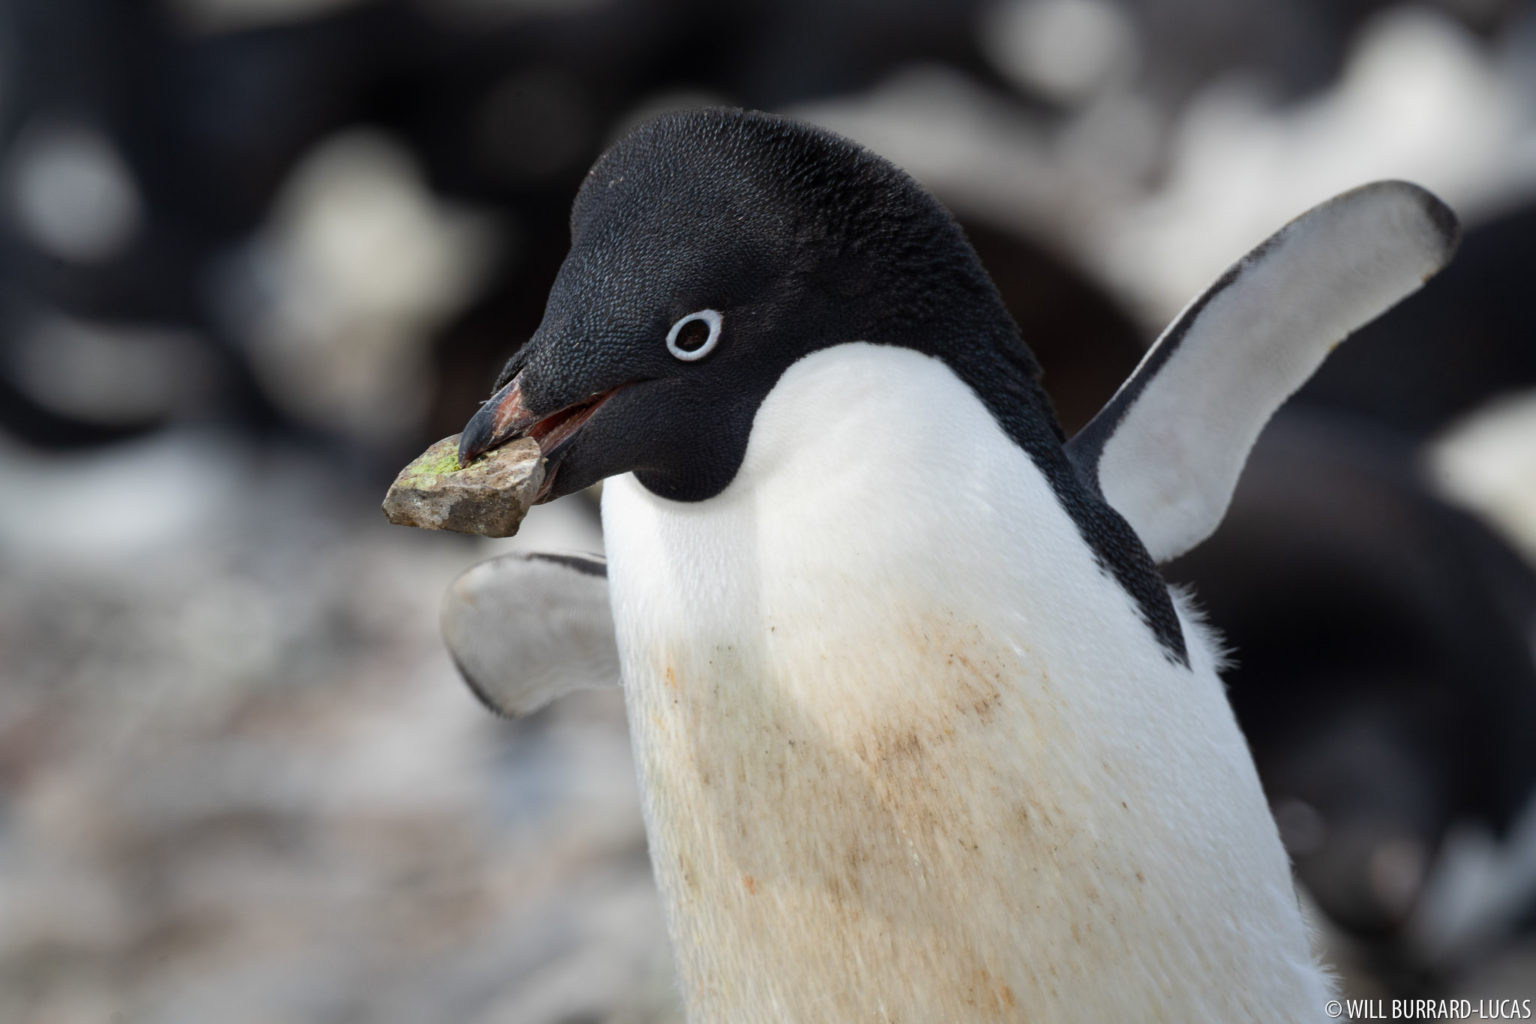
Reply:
x=1167, y=449
x=525, y=629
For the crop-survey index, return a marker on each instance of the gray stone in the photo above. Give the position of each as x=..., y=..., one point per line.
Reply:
x=489, y=497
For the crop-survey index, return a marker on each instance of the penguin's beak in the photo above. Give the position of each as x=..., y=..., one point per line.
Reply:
x=502, y=418
x=505, y=418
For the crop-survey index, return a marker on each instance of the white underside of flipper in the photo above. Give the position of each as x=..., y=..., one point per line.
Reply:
x=525, y=629
x=909, y=753
x=1167, y=450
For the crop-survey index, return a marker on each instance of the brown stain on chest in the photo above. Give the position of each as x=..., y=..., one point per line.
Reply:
x=854, y=820
x=883, y=785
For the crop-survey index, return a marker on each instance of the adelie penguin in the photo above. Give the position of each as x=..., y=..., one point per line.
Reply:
x=922, y=734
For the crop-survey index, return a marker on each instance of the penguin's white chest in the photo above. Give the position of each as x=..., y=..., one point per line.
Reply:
x=909, y=754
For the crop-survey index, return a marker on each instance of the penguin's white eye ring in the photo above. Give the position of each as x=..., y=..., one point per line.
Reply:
x=695, y=335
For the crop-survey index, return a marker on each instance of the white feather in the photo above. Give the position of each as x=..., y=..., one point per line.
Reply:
x=908, y=753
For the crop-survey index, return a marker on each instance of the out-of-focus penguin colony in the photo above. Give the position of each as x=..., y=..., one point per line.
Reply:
x=254, y=254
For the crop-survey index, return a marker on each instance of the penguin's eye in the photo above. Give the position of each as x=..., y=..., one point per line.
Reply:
x=695, y=335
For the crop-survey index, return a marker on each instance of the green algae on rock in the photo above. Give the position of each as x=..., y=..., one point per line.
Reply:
x=488, y=497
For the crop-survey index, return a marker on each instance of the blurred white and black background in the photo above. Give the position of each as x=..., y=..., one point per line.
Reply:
x=256, y=254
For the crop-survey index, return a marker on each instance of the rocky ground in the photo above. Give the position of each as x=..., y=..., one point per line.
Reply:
x=241, y=782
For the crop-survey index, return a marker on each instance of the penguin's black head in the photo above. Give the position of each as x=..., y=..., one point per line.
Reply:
x=709, y=251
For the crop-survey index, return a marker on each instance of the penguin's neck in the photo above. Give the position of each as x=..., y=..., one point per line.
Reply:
x=908, y=752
